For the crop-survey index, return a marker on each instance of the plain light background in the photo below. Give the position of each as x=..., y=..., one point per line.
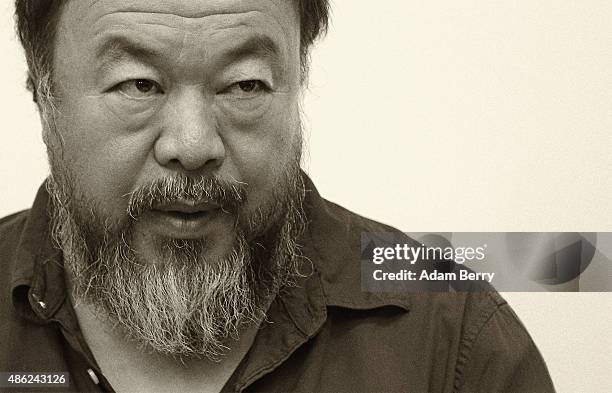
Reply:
x=441, y=116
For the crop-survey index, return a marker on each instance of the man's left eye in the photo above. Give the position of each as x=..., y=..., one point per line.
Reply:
x=246, y=88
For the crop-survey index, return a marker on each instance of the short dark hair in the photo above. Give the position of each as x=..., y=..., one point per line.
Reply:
x=36, y=22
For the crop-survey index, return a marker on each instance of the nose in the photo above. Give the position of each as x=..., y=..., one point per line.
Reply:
x=190, y=139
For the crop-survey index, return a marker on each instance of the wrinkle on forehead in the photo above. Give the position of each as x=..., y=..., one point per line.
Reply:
x=186, y=19
x=182, y=11
x=190, y=8
x=211, y=22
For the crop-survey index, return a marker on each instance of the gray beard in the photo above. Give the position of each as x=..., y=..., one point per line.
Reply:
x=185, y=305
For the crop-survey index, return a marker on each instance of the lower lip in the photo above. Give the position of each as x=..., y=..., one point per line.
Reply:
x=182, y=225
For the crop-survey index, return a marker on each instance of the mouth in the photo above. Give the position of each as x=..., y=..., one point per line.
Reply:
x=178, y=215
x=187, y=206
x=183, y=219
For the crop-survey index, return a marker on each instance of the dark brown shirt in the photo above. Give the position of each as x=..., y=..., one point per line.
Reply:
x=325, y=335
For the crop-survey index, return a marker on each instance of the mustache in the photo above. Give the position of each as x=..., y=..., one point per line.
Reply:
x=229, y=195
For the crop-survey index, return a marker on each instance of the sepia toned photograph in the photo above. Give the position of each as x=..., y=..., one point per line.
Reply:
x=306, y=196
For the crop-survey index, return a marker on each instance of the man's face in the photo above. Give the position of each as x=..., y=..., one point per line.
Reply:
x=149, y=89
x=174, y=143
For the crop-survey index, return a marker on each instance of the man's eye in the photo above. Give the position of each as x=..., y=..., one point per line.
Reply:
x=139, y=88
x=247, y=88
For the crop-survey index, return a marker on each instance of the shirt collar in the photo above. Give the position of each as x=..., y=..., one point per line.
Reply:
x=333, y=243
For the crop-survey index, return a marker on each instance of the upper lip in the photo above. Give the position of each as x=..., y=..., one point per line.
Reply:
x=187, y=206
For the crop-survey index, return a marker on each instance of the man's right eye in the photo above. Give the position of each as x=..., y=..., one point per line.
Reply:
x=139, y=88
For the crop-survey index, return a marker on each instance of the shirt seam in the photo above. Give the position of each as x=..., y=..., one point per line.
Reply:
x=467, y=343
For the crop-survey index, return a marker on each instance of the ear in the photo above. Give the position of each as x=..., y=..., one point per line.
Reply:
x=46, y=112
x=31, y=86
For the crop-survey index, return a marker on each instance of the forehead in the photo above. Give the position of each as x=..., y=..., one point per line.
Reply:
x=180, y=25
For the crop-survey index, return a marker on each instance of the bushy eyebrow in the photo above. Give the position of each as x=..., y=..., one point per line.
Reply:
x=256, y=45
x=119, y=48
x=259, y=46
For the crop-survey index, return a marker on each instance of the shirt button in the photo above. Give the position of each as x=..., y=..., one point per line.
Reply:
x=93, y=376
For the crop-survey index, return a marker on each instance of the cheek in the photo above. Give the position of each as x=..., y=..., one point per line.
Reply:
x=105, y=152
x=262, y=150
